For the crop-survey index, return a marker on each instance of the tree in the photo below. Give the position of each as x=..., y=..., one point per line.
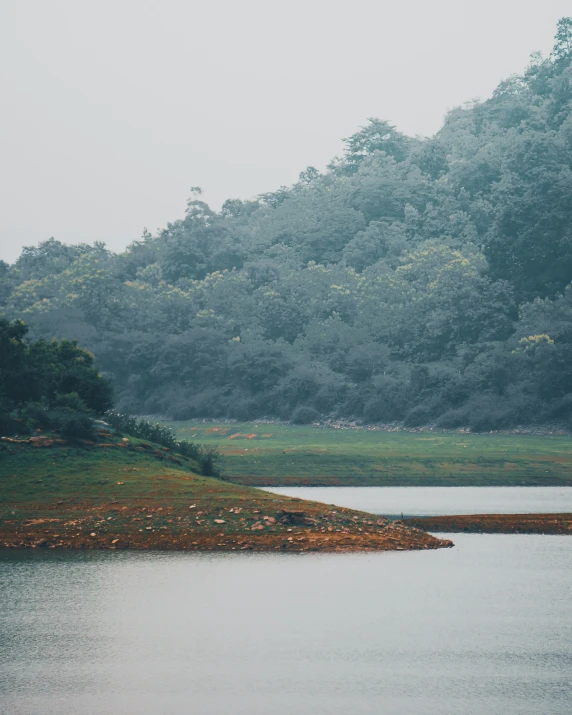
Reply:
x=41, y=372
x=562, y=50
x=377, y=136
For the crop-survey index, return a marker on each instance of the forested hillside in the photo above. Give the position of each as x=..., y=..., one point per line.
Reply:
x=424, y=280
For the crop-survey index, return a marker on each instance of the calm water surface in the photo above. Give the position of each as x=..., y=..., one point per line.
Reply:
x=440, y=501
x=481, y=629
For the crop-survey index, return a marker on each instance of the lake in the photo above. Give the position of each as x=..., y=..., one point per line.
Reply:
x=480, y=629
x=439, y=501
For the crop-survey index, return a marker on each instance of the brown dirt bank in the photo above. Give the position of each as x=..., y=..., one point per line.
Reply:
x=495, y=523
x=144, y=526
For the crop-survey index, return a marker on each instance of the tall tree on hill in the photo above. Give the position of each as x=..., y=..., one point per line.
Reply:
x=377, y=136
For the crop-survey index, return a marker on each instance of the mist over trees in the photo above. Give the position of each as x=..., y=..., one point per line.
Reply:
x=424, y=280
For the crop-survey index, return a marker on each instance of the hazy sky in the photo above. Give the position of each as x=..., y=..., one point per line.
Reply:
x=112, y=109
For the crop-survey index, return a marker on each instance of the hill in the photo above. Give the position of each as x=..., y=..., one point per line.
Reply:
x=416, y=280
x=127, y=493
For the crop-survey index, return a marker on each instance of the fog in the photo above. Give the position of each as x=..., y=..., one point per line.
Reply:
x=112, y=110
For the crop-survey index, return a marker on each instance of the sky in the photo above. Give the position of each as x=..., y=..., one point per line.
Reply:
x=111, y=110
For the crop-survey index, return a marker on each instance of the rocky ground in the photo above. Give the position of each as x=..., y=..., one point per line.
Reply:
x=211, y=528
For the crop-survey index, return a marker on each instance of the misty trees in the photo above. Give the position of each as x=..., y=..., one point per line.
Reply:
x=413, y=279
x=377, y=136
x=198, y=244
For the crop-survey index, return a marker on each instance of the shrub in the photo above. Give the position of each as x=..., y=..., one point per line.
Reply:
x=71, y=401
x=36, y=415
x=206, y=457
x=244, y=410
x=453, y=418
x=73, y=425
x=10, y=426
x=208, y=460
x=304, y=415
x=420, y=415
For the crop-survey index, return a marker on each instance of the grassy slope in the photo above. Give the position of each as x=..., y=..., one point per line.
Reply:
x=281, y=455
x=134, y=496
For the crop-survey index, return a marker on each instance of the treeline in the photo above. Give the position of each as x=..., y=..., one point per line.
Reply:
x=416, y=280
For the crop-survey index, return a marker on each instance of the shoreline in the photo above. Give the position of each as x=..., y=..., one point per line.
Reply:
x=392, y=537
x=495, y=523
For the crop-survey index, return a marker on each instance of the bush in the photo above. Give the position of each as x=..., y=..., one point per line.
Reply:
x=10, y=426
x=420, y=415
x=244, y=410
x=36, y=415
x=71, y=401
x=206, y=457
x=73, y=425
x=453, y=418
x=304, y=415
x=488, y=412
x=482, y=414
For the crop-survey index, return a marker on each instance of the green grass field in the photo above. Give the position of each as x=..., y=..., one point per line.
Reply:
x=77, y=473
x=126, y=493
x=280, y=455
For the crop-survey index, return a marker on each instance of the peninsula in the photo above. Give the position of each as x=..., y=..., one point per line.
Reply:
x=126, y=493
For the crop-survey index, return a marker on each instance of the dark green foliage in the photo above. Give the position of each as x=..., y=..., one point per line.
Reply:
x=36, y=415
x=206, y=456
x=74, y=426
x=40, y=371
x=304, y=415
x=48, y=385
x=424, y=280
x=70, y=415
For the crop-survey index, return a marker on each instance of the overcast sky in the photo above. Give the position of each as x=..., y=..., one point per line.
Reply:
x=112, y=109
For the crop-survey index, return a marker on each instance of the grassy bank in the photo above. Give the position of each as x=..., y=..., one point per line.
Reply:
x=288, y=455
x=127, y=493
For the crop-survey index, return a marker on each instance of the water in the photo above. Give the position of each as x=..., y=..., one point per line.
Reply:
x=440, y=501
x=480, y=629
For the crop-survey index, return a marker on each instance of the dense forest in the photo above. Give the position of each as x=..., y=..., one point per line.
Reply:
x=423, y=280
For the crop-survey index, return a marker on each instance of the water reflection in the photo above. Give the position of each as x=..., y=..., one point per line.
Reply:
x=482, y=628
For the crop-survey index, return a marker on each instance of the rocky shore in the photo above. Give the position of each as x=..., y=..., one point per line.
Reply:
x=228, y=528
